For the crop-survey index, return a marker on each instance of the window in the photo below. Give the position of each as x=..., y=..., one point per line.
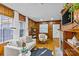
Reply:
x=0, y=32
x=43, y=28
x=6, y=33
x=56, y=33
x=22, y=29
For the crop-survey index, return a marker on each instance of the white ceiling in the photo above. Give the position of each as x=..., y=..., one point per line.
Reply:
x=38, y=11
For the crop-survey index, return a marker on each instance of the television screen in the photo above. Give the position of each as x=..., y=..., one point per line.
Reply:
x=66, y=18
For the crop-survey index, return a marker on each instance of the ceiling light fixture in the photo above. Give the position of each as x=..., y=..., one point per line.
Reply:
x=42, y=3
x=51, y=19
x=41, y=19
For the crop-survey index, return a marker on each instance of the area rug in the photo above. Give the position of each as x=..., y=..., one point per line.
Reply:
x=41, y=52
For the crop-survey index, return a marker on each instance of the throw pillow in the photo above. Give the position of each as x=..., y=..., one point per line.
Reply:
x=19, y=43
x=74, y=40
x=13, y=43
x=29, y=39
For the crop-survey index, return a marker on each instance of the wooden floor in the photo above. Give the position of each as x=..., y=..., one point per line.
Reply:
x=1, y=50
x=50, y=44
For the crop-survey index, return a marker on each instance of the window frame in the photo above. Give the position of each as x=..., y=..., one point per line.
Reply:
x=22, y=28
x=42, y=26
x=2, y=24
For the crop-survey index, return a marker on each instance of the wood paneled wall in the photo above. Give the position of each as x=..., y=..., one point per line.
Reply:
x=69, y=35
x=50, y=23
x=50, y=31
x=22, y=17
x=6, y=11
x=32, y=24
x=1, y=50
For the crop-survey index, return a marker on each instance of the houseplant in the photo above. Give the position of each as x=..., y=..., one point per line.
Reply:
x=65, y=5
x=24, y=50
x=75, y=6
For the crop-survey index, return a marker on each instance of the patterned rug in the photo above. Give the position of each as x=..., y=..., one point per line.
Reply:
x=41, y=52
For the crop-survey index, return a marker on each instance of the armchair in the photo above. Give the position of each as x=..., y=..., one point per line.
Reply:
x=43, y=38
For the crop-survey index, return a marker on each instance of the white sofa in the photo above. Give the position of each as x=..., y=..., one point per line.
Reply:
x=15, y=51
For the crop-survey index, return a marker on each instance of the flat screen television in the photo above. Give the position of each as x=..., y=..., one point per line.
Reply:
x=66, y=18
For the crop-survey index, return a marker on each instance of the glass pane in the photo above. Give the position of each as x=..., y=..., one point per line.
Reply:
x=7, y=34
x=22, y=27
x=55, y=30
x=4, y=17
x=6, y=24
x=44, y=28
x=21, y=33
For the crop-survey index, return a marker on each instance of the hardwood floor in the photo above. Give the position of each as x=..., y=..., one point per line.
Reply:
x=56, y=42
x=50, y=44
x=1, y=50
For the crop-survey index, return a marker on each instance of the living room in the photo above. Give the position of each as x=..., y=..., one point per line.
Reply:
x=20, y=26
x=39, y=29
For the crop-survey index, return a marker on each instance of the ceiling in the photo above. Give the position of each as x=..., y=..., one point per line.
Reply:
x=38, y=11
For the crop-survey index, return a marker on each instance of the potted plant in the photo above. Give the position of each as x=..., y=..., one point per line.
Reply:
x=65, y=5
x=24, y=50
x=75, y=6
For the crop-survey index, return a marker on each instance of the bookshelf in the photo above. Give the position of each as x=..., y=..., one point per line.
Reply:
x=70, y=50
x=68, y=30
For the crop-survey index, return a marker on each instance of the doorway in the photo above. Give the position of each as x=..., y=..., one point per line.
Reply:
x=56, y=39
x=56, y=32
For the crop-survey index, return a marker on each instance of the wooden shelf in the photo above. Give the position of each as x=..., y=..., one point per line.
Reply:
x=74, y=47
x=71, y=50
x=69, y=53
x=72, y=27
x=69, y=30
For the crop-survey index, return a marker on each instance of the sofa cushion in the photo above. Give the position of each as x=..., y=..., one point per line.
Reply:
x=13, y=43
x=19, y=43
x=74, y=39
x=30, y=45
x=23, y=39
x=28, y=39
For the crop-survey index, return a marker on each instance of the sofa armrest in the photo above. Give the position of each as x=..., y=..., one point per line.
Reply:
x=11, y=51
